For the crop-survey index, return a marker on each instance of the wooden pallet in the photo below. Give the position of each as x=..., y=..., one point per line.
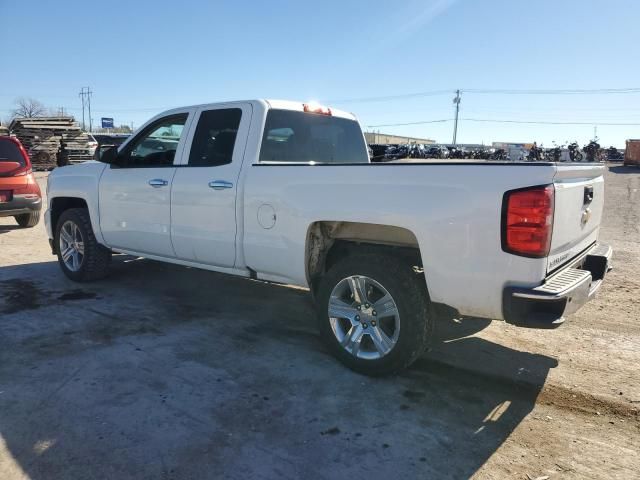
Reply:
x=41, y=138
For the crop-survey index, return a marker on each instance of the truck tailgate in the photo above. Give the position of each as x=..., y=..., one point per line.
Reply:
x=579, y=200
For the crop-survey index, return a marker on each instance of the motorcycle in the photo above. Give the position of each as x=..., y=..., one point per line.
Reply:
x=593, y=151
x=575, y=155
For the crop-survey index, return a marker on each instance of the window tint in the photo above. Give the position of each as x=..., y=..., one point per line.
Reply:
x=9, y=152
x=306, y=137
x=156, y=145
x=215, y=137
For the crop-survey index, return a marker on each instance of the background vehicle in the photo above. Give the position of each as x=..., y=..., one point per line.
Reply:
x=20, y=195
x=92, y=145
x=614, y=155
x=285, y=192
x=592, y=151
x=107, y=141
x=575, y=155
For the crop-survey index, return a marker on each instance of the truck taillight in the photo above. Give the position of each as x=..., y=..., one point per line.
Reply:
x=527, y=221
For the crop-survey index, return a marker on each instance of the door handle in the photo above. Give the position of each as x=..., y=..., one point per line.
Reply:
x=158, y=182
x=220, y=184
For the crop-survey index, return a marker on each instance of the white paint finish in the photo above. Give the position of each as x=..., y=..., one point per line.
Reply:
x=203, y=220
x=77, y=181
x=454, y=211
x=266, y=216
x=133, y=214
x=570, y=234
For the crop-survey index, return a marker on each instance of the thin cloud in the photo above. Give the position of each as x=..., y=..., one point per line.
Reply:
x=434, y=9
x=416, y=17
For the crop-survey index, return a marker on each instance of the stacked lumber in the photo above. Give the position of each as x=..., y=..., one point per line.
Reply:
x=41, y=138
x=4, y=130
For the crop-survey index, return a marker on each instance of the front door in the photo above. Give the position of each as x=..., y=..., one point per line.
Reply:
x=135, y=193
x=203, y=198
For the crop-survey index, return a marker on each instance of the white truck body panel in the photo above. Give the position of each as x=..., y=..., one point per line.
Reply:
x=575, y=225
x=261, y=222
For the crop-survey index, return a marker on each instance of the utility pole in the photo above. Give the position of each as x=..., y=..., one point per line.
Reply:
x=85, y=96
x=455, y=124
x=81, y=95
x=89, y=92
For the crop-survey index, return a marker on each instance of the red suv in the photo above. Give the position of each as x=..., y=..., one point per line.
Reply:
x=20, y=195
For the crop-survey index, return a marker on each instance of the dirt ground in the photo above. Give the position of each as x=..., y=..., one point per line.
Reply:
x=166, y=372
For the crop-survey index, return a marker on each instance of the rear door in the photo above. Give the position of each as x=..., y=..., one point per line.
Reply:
x=205, y=186
x=579, y=200
x=135, y=195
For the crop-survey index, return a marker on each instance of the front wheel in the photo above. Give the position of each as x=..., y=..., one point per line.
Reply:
x=80, y=255
x=374, y=313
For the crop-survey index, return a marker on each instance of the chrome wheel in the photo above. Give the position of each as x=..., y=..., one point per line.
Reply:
x=71, y=246
x=364, y=317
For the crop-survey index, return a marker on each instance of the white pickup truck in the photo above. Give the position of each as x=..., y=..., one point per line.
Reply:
x=284, y=192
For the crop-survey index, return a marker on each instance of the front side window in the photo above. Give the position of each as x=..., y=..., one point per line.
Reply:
x=156, y=146
x=300, y=137
x=215, y=137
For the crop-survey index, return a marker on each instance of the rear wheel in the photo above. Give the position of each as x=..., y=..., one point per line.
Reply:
x=28, y=220
x=374, y=313
x=80, y=255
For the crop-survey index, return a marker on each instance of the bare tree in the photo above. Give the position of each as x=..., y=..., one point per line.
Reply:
x=28, y=108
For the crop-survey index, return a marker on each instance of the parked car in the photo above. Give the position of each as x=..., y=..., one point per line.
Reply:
x=285, y=192
x=92, y=145
x=20, y=195
x=106, y=141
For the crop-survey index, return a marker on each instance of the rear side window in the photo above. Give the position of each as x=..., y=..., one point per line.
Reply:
x=299, y=137
x=9, y=152
x=215, y=137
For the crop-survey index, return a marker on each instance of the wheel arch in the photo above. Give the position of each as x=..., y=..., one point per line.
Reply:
x=59, y=204
x=328, y=241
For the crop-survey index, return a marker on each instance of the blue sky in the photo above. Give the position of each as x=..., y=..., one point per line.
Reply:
x=142, y=57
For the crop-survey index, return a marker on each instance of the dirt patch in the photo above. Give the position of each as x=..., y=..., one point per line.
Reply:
x=18, y=295
x=78, y=295
x=581, y=402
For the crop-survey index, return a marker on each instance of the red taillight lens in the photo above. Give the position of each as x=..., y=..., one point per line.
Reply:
x=528, y=221
x=316, y=108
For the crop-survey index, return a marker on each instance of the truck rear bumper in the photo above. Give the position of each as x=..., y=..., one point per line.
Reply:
x=561, y=294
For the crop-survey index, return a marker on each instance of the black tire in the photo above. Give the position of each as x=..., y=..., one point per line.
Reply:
x=409, y=292
x=28, y=220
x=96, y=259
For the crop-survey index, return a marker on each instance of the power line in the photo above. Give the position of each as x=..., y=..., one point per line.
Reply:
x=503, y=91
x=549, y=122
x=594, y=91
x=411, y=123
x=490, y=120
x=430, y=93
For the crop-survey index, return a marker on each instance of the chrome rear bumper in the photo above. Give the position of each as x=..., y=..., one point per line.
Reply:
x=561, y=294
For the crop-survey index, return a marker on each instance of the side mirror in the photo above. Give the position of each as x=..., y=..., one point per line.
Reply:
x=108, y=155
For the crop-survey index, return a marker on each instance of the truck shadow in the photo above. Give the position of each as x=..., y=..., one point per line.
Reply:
x=624, y=169
x=162, y=371
x=8, y=228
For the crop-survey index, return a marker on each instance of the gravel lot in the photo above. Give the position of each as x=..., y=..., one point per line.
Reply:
x=165, y=372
